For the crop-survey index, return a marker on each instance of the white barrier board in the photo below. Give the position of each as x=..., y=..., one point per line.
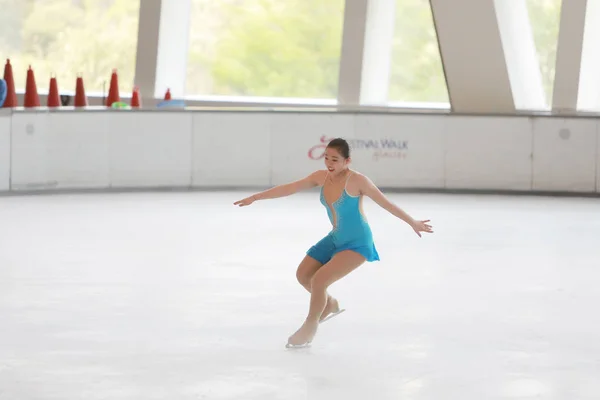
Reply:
x=150, y=149
x=400, y=151
x=564, y=154
x=231, y=149
x=298, y=143
x=598, y=158
x=77, y=150
x=47, y=150
x=488, y=153
x=5, y=121
x=29, y=165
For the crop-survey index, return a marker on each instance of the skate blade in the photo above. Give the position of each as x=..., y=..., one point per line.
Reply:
x=332, y=315
x=297, y=346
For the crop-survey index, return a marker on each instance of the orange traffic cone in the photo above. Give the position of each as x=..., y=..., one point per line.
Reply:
x=11, y=94
x=135, y=98
x=32, y=98
x=53, y=96
x=168, y=94
x=113, y=91
x=80, y=97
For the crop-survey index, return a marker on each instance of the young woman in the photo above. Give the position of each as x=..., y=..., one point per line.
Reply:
x=350, y=242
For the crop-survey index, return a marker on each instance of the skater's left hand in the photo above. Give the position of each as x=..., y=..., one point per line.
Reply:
x=245, y=202
x=421, y=226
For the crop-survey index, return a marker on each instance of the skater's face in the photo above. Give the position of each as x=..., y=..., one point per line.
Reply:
x=334, y=161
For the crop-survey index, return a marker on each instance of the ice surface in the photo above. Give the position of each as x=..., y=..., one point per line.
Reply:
x=184, y=296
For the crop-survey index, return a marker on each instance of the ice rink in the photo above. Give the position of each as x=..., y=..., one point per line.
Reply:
x=178, y=296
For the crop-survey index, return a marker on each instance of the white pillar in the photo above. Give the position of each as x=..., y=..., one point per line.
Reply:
x=589, y=79
x=173, y=47
x=473, y=57
x=351, y=59
x=147, y=47
x=568, y=56
x=377, y=59
x=162, y=48
x=521, y=55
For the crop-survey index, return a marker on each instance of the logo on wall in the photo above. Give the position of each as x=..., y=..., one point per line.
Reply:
x=382, y=148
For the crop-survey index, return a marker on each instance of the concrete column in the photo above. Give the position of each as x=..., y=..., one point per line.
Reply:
x=147, y=47
x=351, y=60
x=521, y=55
x=173, y=47
x=473, y=56
x=568, y=56
x=377, y=59
x=162, y=49
x=589, y=79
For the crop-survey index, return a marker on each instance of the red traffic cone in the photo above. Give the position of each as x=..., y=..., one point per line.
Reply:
x=32, y=98
x=135, y=98
x=53, y=97
x=113, y=91
x=80, y=97
x=168, y=94
x=11, y=94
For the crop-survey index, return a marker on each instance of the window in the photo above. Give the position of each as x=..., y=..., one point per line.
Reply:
x=416, y=74
x=544, y=16
x=64, y=38
x=266, y=48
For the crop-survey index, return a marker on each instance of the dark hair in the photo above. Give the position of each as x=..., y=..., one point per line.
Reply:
x=340, y=145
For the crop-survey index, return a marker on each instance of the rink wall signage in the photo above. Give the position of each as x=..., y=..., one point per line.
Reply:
x=378, y=148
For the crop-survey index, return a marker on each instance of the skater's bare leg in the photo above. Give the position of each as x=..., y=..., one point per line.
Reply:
x=339, y=266
x=306, y=270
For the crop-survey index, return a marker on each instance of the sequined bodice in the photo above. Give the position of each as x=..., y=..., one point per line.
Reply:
x=345, y=216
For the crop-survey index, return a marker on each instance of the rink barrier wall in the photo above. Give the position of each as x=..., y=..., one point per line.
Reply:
x=43, y=150
x=5, y=152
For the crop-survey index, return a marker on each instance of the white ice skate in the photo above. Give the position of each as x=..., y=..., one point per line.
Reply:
x=332, y=315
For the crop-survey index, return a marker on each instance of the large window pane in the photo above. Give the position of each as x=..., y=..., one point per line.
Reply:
x=65, y=38
x=267, y=48
x=416, y=74
x=545, y=22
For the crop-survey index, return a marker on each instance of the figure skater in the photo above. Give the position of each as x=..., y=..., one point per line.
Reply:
x=350, y=242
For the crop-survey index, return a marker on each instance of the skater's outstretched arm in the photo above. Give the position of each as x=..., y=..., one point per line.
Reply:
x=368, y=188
x=286, y=189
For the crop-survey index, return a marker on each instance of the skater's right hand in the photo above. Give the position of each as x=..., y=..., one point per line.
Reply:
x=421, y=226
x=245, y=202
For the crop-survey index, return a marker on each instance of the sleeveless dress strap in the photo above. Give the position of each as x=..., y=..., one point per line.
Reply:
x=347, y=179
